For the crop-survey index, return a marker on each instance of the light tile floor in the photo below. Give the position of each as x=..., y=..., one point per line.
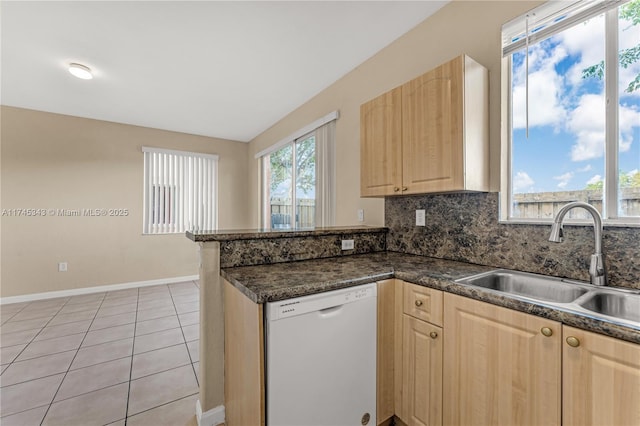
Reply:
x=126, y=357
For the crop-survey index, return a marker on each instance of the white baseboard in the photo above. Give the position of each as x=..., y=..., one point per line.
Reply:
x=213, y=417
x=97, y=289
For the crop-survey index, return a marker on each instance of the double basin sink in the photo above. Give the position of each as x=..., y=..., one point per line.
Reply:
x=611, y=304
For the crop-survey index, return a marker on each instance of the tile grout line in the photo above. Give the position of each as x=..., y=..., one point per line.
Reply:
x=15, y=313
x=37, y=334
x=166, y=403
x=185, y=339
x=133, y=349
x=71, y=363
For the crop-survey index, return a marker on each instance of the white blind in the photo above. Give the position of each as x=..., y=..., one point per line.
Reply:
x=180, y=191
x=326, y=174
x=549, y=19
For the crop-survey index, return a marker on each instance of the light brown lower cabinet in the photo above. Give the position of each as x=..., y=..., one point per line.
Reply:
x=601, y=380
x=244, y=386
x=501, y=367
x=421, y=373
x=478, y=364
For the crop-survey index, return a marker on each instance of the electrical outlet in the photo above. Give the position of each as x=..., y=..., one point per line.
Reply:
x=62, y=267
x=347, y=244
x=420, y=218
x=360, y=215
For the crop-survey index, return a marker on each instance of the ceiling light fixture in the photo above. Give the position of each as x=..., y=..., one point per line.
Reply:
x=80, y=71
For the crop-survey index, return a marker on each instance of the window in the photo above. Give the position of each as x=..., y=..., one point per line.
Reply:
x=298, y=178
x=573, y=110
x=179, y=191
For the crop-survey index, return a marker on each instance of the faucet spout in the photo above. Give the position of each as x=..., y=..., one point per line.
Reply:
x=597, y=270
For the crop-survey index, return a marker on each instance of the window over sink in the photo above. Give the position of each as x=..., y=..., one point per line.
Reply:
x=571, y=73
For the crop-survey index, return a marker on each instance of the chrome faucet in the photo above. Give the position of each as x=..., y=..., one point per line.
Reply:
x=597, y=270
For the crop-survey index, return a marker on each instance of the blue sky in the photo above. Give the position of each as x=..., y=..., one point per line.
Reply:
x=565, y=147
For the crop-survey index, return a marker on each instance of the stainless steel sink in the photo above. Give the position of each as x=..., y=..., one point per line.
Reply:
x=624, y=306
x=606, y=303
x=531, y=286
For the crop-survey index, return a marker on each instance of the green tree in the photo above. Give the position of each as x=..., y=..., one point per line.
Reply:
x=282, y=165
x=625, y=180
x=627, y=57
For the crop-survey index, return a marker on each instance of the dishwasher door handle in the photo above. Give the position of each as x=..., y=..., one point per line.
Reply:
x=329, y=312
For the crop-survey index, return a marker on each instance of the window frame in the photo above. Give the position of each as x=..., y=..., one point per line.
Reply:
x=266, y=213
x=610, y=191
x=325, y=140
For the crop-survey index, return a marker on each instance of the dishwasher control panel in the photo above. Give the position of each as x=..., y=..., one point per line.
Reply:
x=319, y=302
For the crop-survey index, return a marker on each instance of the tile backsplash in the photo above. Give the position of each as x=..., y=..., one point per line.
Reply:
x=465, y=227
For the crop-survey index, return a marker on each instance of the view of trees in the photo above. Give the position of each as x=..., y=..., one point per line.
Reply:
x=282, y=168
x=630, y=12
x=625, y=180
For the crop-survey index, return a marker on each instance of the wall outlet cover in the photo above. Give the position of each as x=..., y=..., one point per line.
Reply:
x=360, y=215
x=420, y=218
x=62, y=267
x=347, y=244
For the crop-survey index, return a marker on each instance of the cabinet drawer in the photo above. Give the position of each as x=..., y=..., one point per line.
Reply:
x=423, y=303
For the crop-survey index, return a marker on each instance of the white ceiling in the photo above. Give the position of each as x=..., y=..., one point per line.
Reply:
x=213, y=68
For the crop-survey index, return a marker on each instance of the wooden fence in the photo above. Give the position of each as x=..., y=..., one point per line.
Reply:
x=545, y=205
x=281, y=212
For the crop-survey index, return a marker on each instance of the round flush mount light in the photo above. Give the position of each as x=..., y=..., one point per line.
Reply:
x=80, y=71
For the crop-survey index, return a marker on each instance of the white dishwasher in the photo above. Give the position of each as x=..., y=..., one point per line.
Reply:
x=321, y=359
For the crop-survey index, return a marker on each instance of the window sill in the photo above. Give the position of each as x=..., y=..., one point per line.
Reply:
x=607, y=223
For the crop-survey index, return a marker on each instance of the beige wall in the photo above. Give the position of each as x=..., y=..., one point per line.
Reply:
x=471, y=27
x=62, y=162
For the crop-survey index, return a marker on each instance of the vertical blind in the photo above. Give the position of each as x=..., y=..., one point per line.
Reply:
x=326, y=174
x=180, y=191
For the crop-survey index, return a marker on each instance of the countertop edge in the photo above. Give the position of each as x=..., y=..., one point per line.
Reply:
x=258, y=234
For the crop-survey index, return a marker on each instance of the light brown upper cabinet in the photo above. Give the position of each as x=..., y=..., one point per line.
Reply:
x=428, y=135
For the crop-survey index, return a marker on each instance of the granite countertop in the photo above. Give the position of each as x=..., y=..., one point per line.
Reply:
x=252, y=234
x=269, y=283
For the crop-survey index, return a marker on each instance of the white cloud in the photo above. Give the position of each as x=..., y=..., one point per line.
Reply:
x=584, y=169
x=594, y=179
x=564, y=179
x=587, y=123
x=545, y=90
x=585, y=41
x=522, y=182
x=628, y=118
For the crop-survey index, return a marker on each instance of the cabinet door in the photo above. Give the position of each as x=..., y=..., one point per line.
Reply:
x=499, y=368
x=244, y=386
x=601, y=380
x=386, y=347
x=421, y=373
x=380, y=145
x=432, y=121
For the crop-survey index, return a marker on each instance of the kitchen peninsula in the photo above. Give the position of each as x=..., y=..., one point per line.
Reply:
x=263, y=266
